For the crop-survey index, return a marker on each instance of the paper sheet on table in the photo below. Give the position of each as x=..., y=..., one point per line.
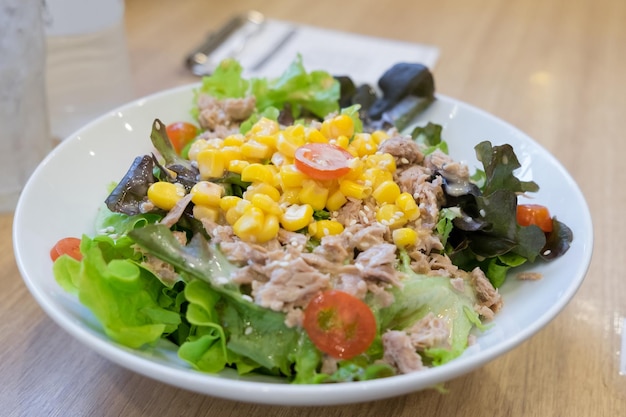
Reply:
x=266, y=51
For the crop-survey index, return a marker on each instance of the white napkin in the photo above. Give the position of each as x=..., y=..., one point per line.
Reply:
x=266, y=51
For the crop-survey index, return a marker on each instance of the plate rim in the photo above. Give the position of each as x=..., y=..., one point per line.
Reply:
x=261, y=392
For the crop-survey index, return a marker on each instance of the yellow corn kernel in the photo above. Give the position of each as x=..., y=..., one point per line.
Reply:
x=390, y=215
x=322, y=228
x=287, y=143
x=269, y=140
x=296, y=217
x=196, y=147
x=364, y=144
x=233, y=214
x=315, y=136
x=250, y=224
x=290, y=196
x=386, y=192
x=229, y=201
x=264, y=126
x=165, y=195
x=230, y=153
x=257, y=173
x=265, y=203
x=340, y=125
x=290, y=176
x=256, y=150
x=262, y=188
x=383, y=161
x=204, y=212
x=235, y=140
x=206, y=193
x=380, y=136
x=336, y=200
x=275, y=181
x=341, y=141
x=406, y=203
x=269, y=230
x=296, y=131
x=356, y=166
x=314, y=194
x=237, y=166
x=376, y=176
x=404, y=236
x=210, y=164
x=355, y=189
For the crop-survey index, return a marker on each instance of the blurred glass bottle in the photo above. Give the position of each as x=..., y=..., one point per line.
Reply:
x=87, y=66
x=24, y=135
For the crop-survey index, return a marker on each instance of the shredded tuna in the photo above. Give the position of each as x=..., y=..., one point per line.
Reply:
x=404, y=149
x=378, y=263
x=334, y=248
x=240, y=252
x=163, y=270
x=400, y=353
x=438, y=161
x=458, y=284
x=489, y=300
x=216, y=115
x=531, y=276
x=363, y=238
x=175, y=213
x=429, y=332
x=291, y=283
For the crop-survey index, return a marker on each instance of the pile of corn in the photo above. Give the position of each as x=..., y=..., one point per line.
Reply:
x=279, y=194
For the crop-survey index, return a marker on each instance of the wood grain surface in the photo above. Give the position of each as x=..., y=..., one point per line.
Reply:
x=555, y=69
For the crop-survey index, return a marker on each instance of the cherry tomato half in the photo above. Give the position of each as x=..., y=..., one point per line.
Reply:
x=180, y=134
x=339, y=324
x=322, y=161
x=536, y=214
x=66, y=246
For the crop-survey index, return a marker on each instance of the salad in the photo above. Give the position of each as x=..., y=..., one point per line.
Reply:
x=297, y=229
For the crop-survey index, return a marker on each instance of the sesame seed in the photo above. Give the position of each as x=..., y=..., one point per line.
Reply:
x=221, y=280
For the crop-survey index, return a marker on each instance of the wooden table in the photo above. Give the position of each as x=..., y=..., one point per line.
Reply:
x=555, y=69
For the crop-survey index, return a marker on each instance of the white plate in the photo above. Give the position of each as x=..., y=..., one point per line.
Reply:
x=64, y=193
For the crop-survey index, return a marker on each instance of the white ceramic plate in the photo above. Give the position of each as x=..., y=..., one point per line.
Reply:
x=64, y=193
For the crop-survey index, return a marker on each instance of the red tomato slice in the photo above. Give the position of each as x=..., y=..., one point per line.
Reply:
x=66, y=246
x=339, y=324
x=536, y=214
x=322, y=161
x=180, y=134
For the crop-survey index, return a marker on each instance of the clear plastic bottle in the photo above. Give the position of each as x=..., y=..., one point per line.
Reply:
x=88, y=67
x=24, y=135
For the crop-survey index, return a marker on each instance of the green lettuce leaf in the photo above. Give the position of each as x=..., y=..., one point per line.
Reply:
x=123, y=297
x=226, y=81
x=421, y=295
x=316, y=92
x=255, y=337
